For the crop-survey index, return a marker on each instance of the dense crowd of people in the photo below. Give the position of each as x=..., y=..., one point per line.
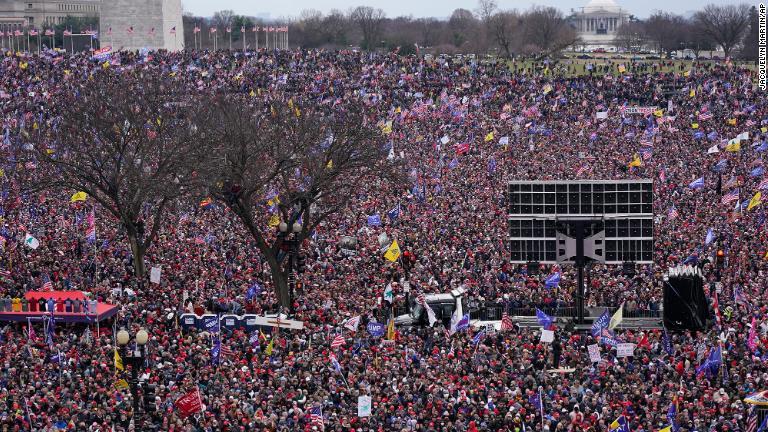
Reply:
x=517, y=124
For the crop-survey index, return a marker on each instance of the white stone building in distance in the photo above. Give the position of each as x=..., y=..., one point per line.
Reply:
x=597, y=23
x=137, y=24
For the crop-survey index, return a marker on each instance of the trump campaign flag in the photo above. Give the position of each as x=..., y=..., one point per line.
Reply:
x=190, y=403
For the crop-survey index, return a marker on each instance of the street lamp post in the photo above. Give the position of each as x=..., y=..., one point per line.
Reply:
x=135, y=359
x=292, y=240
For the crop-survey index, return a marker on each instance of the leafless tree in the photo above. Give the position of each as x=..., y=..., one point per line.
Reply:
x=486, y=9
x=665, y=30
x=725, y=24
x=504, y=28
x=126, y=140
x=630, y=36
x=371, y=24
x=462, y=26
x=222, y=19
x=312, y=158
x=546, y=28
x=430, y=30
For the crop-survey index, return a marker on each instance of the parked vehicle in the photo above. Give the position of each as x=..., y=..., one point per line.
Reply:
x=444, y=306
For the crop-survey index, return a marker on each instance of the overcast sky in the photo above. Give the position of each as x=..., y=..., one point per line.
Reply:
x=423, y=8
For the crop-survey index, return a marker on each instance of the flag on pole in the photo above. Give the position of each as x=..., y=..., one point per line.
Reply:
x=173, y=30
x=190, y=403
x=352, y=323
x=118, y=361
x=617, y=317
x=337, y=342
x=47, y=284
x=316, y=417
x=506, y=322
x=393, y=252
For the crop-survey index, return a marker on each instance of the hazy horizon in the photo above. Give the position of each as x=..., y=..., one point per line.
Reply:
x=442, y=9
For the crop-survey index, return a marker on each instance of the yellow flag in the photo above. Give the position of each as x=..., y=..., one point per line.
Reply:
x=391, y=329
x=733, y=146
x=764, y=129
x=121, y=384
x=666, y=429
x=692, y=93
x=766, y=256
x=398, y=110
x=274, y=220
x=489, y=137
x=270, y=345
x=547, y=88
x=387, y=128
x=118, y=361
x=636, y=162
x=393, y=252
x=658, y=113
x=251, y=94
x=755, y=201
x=731, y=122
x=78, y=196
x=329, y=165
x=694, y=125
x=2, y=173
x=687, y=73
x=622, y=68
x=290, y=103
x=274, y=201
x=106, y=65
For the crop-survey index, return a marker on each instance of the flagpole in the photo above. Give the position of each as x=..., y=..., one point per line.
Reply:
x=541, y=407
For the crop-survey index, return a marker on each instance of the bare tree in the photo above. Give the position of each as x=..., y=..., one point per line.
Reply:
x=430, y=30
x=222, y=19
x=665, y=30
x=486, y=9
x=630, y=36
x=462, y=26
x=749, y=49
x=313, y=159
x=725, y=25
x=371, y=23
x=123, y=141
x=504, y=28
x=546, y=28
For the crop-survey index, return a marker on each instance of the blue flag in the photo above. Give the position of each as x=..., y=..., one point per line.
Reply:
x=463, y=323
x=374, y=220
x=216, y=352
x=545, y=321
x=552, y=281
x=600, y=324
x=619, y=425
x=757, y=172
x=375, y=329
x=211, y=324
x=720, y=166
x=395, y=212
x=697, y=184
x=453, y=164
x=478, y=337
x=710, y=236
x=667, y=343
x=253, y=291
x=492, y=166
x=672, y=416
x=711, y=365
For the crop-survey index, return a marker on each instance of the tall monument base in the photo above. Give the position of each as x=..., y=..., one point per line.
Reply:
x=137, y=24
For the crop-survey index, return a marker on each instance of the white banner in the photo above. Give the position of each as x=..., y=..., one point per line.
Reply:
x=601, y=115
x=625, y=350
x=154, y=275
x=639, y=110
x=363, y=406
x=594, y=353
x=547, y=336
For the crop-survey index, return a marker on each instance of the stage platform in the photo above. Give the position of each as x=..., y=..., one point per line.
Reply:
x=103, y=310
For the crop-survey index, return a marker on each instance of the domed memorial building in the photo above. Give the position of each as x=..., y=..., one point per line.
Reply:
x=598, y=22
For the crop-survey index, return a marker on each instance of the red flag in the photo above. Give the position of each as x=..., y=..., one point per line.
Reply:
x=190, y=403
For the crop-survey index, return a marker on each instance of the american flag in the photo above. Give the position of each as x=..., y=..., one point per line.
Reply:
x=227, y=351
x=752, y=420
x=705, y=116
x=212, y=29
x=316, y=417
x=749, y=123
x=730, y=197
x=763, y=184
x=673, y=214
x=90, y=233
x=663, y=176
x=506, y=322
x=255, y=29
x=130, y=30
x=18, y=33
x=173, y=30
x=47, y=284
x=151, y=31
x=32, y=32
x=5, y=273
x=583, y=169
x=242, y=29
x=337, y=341
x=50, y=32
x=67, y=33
x=196, y=30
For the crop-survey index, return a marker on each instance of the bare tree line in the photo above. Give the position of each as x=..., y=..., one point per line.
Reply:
x=536, y=31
